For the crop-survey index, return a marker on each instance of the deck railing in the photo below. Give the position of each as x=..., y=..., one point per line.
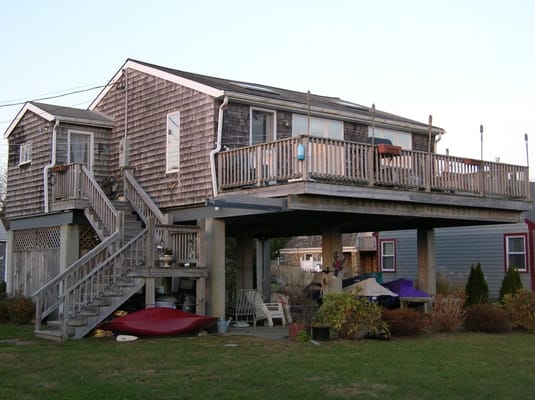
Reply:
x=75, y=182
x=360, y=164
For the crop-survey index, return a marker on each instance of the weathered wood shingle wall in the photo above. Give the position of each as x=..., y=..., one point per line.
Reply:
x=150, y=99
x=25, y=182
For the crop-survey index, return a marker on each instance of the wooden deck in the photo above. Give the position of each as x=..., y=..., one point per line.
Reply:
x=358, y=164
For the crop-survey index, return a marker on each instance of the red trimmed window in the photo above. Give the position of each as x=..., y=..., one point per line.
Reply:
x=388, y=255
x=515, y=251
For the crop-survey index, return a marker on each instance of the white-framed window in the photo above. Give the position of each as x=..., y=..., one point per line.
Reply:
x=515, y=252
x=262, y=128
x=80, y=146
x=25, y=153
x=403, y=139
x=172, y=158
x=321, y=127
x=388, y=255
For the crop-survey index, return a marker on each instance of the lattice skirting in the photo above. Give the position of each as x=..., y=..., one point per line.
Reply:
x=39, y=238
x=49, y=239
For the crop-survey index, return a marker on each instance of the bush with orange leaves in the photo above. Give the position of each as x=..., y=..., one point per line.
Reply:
x=448, y=312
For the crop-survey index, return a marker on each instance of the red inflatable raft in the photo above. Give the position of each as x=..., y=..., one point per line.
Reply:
x=158, y=321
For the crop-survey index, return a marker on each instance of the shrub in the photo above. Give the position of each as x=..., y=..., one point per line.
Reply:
x=350, y=316
x=406, y=322
x=486, y=318
x=521, y=309
x=302, y=337
x=20, y=310
x=477, y=290
x=4, y=309
x=450, y=282
x=511, y=282
x=448, y=312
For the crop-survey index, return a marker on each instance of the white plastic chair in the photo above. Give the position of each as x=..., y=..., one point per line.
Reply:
x=261, y=310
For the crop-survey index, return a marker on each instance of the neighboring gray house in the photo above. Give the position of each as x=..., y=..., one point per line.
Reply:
x=495, y=247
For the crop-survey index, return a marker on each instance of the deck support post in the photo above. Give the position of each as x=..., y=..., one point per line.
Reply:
x=150, y=292
x=426, y=261
x=214, y=239
x=331, y=242
x=263, y=272
x=244, y=262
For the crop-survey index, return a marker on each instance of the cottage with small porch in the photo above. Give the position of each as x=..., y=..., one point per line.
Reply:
x=167, y=159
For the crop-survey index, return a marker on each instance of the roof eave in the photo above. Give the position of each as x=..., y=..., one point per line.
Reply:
x=27, y=107
x=328, y=112
x=130, y=64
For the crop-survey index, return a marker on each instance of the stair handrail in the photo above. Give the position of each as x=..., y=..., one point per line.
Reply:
x=58, y=283
x=106, y=274
x=141, y=201
x=98, y=201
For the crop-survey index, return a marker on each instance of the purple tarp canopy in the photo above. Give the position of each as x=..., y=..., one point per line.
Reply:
x=404, y=288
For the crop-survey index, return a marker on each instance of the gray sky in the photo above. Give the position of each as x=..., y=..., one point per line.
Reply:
x=465, y=62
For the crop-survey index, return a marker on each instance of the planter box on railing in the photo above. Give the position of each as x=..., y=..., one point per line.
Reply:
x=59, y=168
x=388, y=149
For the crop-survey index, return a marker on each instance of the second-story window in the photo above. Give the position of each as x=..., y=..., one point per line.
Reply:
x=25, y=153
x=321, y=127
x=173, y=142
x=80, y=145
x=262, y=126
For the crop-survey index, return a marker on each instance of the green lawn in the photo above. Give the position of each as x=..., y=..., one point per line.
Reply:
x=456, y=366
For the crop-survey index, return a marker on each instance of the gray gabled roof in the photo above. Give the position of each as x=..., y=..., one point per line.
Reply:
x=270, y=96
x=271, y=92
x=51, y=112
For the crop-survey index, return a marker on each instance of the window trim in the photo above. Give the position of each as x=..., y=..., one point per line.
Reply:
x=265, y=110
x=27, y=148
x=91, y=159
x=381, y=264
x=506, y=238
x=167, y=169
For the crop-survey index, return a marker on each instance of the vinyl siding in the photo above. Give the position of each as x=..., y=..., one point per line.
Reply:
x=456, y=250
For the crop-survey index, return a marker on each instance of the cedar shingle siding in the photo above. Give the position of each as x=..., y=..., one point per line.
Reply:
x=25, y=186
x=150, y=99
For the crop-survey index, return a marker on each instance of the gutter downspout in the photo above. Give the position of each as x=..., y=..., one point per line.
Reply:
x=48, y=166
x=217, y=145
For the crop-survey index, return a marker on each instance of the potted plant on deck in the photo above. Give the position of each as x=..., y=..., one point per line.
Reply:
x=167, y=258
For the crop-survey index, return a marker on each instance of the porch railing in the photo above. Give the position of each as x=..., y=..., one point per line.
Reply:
x=75, y=182
x=360, y=164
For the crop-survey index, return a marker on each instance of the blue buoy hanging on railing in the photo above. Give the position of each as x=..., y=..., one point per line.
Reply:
x=300, y=151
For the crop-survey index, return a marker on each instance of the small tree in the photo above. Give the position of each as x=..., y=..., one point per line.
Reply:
x=511, y=283
x=477, y=290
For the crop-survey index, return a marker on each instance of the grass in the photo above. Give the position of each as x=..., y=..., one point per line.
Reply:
x=456, y=366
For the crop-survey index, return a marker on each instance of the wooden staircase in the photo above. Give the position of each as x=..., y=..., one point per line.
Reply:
x=73, y=303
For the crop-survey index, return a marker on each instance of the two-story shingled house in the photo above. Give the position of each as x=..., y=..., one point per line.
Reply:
x=169, y=159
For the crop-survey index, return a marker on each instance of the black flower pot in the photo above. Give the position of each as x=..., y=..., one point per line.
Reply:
x=320, y=332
